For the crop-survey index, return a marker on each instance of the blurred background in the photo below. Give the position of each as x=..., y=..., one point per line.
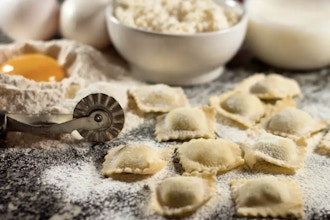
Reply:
x=6, y=39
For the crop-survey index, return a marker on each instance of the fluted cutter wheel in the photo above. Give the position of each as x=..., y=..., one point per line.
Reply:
x=106, y=104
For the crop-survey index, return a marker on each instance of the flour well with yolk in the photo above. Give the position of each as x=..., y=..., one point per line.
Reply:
x=37, y=67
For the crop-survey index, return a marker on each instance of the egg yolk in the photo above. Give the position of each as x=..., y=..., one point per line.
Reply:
x=37, y=67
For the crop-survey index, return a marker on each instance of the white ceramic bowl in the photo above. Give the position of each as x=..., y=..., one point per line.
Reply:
x=290, y=34
x=174, y=58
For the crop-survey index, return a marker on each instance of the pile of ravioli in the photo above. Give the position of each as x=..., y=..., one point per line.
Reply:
x=278, y=133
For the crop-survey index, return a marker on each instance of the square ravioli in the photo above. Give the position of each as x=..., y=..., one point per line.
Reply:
x=135, y=159
x=244, y=108
x=157, y=98
x=186, y=123
x=272, y=86
x=267, y=197
x=179, y=196
x=294, y=124
x=209, y=155
x=274, y=154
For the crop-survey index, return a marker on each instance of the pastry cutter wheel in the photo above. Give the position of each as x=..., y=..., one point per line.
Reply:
x=97, y=117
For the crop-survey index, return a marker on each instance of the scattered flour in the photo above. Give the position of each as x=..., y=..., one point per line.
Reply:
x=231, y=133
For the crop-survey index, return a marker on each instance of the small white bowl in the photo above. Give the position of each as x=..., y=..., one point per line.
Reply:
x=289, y=34
x=177, y=59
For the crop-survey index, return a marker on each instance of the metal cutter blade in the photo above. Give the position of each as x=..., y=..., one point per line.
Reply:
x=97, y=117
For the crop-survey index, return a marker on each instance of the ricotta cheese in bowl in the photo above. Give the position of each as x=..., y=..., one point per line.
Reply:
x=176, y=42
x=290, y=34
x=175, y=17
